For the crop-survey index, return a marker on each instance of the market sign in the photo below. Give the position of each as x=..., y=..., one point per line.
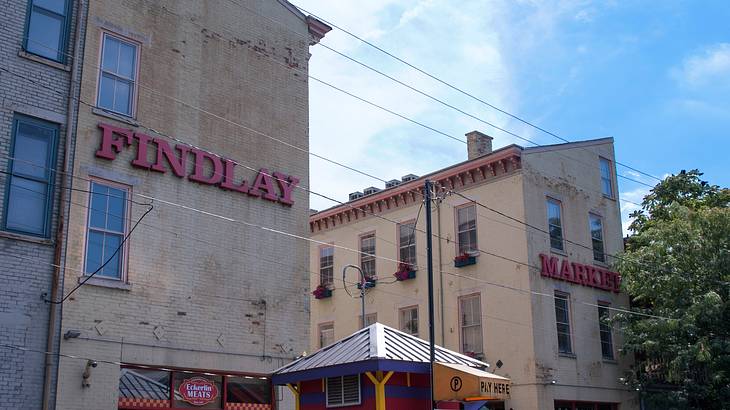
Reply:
x=579, y=273
x=198, y=391
x=463, y=383
x=208, y=169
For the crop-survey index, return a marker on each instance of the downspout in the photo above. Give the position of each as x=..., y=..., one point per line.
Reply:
x=60, y=230
x=441, y=274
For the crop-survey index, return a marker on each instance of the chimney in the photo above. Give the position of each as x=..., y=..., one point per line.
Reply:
x=478, y=144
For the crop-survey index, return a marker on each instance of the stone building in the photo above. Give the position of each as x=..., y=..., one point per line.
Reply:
x=199, y=112
x=523, y=245
x=39, y=46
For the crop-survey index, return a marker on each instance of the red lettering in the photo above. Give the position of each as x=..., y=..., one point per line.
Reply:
x=263, y=186
x=565, y=271
x=286, y=186
x=141, y=160
x=178, y=164
x=579, y=272
x=198, y=174
x=110, y=145
x=228, y=178
x=549, y=265
x=616, y=282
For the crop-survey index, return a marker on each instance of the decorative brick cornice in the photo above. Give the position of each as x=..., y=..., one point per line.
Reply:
x=460, y=176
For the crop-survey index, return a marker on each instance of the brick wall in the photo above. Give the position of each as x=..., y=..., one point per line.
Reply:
x=25, y=270
x=195, y=278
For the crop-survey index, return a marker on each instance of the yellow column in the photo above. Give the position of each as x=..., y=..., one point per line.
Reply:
x=295, y=391
x=379, y=383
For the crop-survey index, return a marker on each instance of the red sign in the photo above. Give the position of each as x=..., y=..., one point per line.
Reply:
x=275, y=187
x=579, y=273
x=198, y=391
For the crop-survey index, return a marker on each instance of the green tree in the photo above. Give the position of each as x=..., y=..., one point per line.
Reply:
x=677, y=266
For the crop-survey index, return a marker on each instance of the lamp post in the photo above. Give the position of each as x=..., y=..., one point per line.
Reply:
x=362, y=288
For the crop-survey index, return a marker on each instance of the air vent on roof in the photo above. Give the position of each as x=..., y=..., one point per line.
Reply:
x=409, y=177
x=355, y=195
x=370, y=190
x=392, y=183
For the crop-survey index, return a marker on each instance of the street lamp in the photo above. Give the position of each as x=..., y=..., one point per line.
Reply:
x=363, y=286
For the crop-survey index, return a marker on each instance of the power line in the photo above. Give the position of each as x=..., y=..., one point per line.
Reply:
x=455, y=88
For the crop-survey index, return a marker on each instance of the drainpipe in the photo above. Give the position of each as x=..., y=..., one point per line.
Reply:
x=441, y=274
x=60, y=231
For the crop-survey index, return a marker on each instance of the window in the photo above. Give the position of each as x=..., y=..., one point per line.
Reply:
x=408, y=320
x=407, y=243
x=470, y=309
x=606, y=179
x=343, y=390
x=562, y=320
x=370, y=318
x=326, y=334
x=367, y=257
x=30, y=178
x=605, y=329
x=326, y=265
x=597, y=238
x=107, y=229
x=46, y=29
x=466, y=221
x=555, y=224
x=117, y=77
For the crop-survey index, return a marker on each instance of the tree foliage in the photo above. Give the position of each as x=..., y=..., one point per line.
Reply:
x=677, y=266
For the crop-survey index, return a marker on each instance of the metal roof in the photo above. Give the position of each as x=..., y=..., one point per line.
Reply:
x=377, y=342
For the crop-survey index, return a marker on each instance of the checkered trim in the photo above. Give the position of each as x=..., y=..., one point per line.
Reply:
x=125, y=402
x=247, y=406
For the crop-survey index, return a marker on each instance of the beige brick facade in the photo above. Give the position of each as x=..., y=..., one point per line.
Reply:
x=517, y=308
x=199, y=291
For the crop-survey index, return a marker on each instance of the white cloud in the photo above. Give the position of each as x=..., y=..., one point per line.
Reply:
x=635, y=196
x=711, y=66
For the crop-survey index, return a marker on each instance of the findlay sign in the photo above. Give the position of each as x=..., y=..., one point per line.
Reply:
x=115, y=139
x=585, y=275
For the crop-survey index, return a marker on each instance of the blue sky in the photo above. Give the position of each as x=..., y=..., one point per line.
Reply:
x=653, y=75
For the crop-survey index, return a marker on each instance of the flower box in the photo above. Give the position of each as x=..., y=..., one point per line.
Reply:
x=464, y=260
x=370, y=282
x=405, y=272
x=322, y=292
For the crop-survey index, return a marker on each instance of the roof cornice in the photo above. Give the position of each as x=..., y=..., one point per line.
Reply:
x=463, y=175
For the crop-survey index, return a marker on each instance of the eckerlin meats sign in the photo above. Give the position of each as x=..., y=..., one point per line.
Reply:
x=198, y=391
x=575, y=272
x=275, y=187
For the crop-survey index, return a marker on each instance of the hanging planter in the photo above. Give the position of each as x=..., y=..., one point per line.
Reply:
x=370, y=282
x=405, y=272
x=322, y=292
x=464, y=259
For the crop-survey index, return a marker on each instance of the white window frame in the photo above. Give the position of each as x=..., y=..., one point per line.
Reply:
x=412, y=245
x=135, y=81
x=591, y=218
x=609, y=163
x=343, y=403
x=564, y=296
x=402, y=320
x=322, y=327
x=370, y=319
x=367, y=258
x=473, y=247
x=323, y=267
x=550, y=200
x=605, y=328
x=124, y=254
x=462, y=326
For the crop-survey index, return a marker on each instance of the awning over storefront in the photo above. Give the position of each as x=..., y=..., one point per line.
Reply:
x=465, y=383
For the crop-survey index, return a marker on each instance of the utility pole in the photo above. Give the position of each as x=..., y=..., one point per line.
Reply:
x=429, y=264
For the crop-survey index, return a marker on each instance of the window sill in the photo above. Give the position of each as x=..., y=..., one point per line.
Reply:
x=558, y=252
x=601, y=264
x=609, y=361
x=568, y=355
x=43, y=60
x=106, y=283
x=114, y=116
x=613, y=198
x=25, y=238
